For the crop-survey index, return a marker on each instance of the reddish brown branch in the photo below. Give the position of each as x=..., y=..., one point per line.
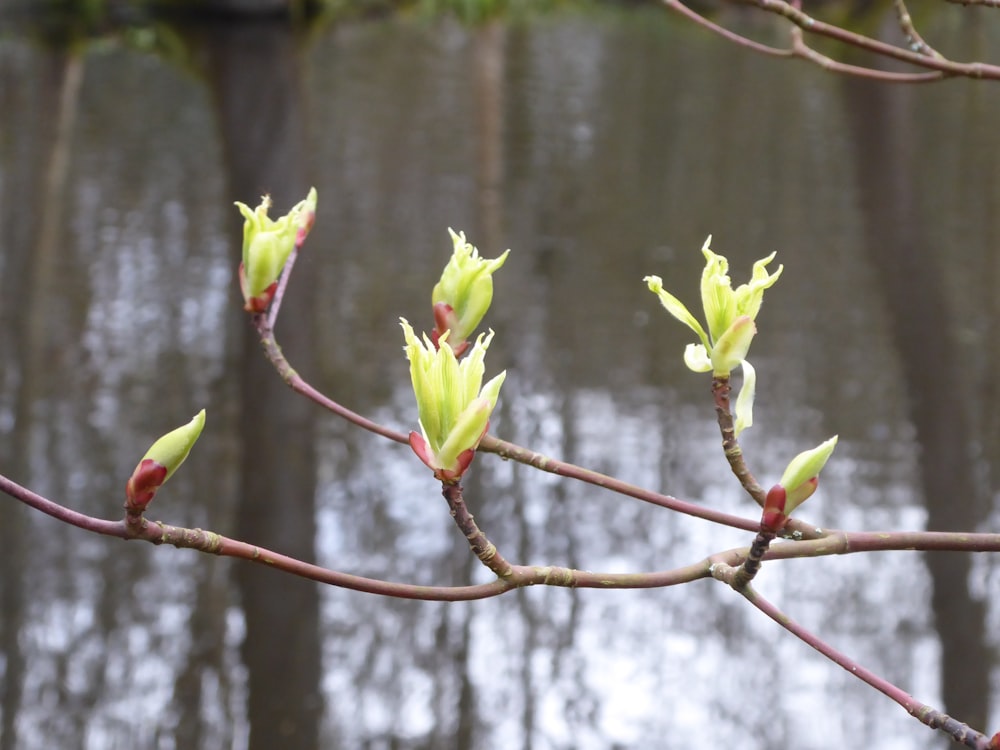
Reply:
x=491, y=444
x=201, y=540
x=916, y=42
x=297, y=384
x=831, y=542
x=137, y=527
x=483, y=548
x=279, y=293
x=920, y=55
x=984, y=3
x=804, y=51
x=751, y=565
x=730, y=445
x=507, y=450
x=810, y=25
x=931, y=717
x=732, y=36
x=60, y=512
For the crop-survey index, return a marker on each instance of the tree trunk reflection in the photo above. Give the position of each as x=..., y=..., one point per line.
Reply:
x=911, y=276
x=256, y=79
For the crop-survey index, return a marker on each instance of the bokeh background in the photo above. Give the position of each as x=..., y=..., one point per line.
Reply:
x=601, y=144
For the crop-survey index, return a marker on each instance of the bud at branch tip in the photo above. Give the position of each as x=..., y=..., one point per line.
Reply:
x=267, y=245
x=454, y=406
x=160, y=462
x=462, y=296
x=797, y=484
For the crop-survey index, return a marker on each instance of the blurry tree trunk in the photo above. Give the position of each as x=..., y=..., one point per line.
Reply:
x=32, y=257
x=255, y=77
x=912, y=284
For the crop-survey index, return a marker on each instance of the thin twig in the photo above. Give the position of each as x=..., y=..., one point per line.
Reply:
x=483, y=548
x=305, y=225
x=279, y=293
x=751, y=566
x=508, y=450
x=805, y=52
x=959, y=732
x=725, y=33
x=916, y=42
x=812, y=26
x=721, y=389
x=922, y=55
x=490, y=444
x=835, y=543
x=984, y=3
x=730, y=445
x=201, y=540
x=274, y=354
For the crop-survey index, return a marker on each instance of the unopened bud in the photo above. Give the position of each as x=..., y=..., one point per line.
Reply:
x=797, y=485
x=161, y=461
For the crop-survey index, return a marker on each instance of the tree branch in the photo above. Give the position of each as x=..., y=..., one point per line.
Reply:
x=931, y=717
x=730, y=445
x=490, y=444
x=920, y=54
x=483, y=548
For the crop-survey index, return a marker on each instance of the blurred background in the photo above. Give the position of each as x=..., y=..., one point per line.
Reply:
x=601, y=142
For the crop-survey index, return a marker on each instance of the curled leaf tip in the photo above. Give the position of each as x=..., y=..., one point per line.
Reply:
x=729, y=313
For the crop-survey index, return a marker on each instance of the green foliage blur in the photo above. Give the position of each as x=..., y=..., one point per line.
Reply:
x=91, y=13
x=153, y=26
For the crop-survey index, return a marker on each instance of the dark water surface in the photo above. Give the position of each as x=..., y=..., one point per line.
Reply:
x=599, y=148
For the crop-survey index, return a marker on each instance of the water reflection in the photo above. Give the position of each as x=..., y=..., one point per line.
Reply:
x=578, y=143
x=923, y=336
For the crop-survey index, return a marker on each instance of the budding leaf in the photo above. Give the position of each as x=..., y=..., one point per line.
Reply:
x=464, y=292
x=806, y=466
x=267, y=245
x=453, y=404
x=729, y=313
x=161, y=460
